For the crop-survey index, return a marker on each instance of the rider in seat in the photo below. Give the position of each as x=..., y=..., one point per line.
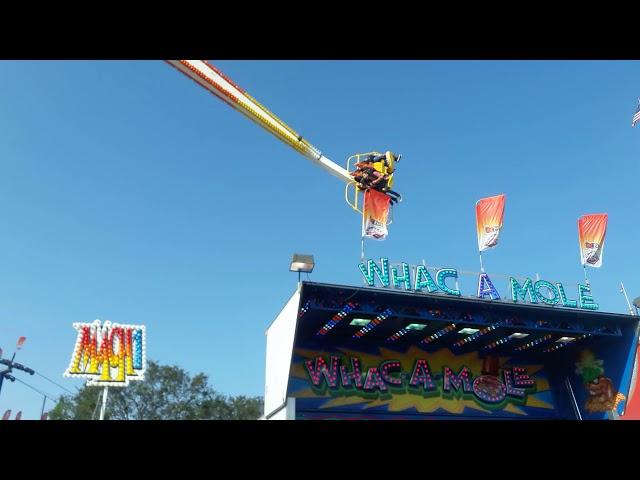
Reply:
x=376, y=171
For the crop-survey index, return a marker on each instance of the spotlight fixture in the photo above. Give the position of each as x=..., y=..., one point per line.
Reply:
x=468, y=331
x=416, y=326
x=518, y=335
x=565, y=339
x=359, y=322
x=302, y=263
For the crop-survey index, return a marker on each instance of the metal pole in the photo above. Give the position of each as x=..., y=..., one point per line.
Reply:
x=574, y=404
x=634, y=372
x=481, y=266
x=362, y=234
x=104, y=402
x=7, y=370
x=626, y=298
x=43, y=402
x=586, y=279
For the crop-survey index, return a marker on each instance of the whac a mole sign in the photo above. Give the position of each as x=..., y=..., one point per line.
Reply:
x=489, y=390
x=412, y=381
x=540, y=291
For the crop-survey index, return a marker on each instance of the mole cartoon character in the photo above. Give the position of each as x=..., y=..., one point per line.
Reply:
x=492, y=236
x=602, y=394
x=592, y=252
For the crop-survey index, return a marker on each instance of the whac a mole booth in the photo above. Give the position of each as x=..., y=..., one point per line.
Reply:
x=408, y=345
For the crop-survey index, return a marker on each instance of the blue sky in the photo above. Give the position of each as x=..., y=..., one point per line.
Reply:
x=133, y=195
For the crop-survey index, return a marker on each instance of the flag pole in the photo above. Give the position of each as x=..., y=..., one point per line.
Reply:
x=624, y=291
x=481, y=265
x=362, y=237
x=586, y=279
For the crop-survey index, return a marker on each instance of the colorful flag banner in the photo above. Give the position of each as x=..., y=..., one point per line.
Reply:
x=591, y=232
x=489, y=220
x=376, y=213
x=21, y=341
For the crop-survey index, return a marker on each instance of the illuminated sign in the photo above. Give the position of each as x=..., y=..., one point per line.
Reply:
x=538, y=292
x=109, y=354
x=490, y=390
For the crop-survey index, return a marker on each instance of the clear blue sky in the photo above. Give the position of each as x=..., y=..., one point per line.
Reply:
x=133, y=195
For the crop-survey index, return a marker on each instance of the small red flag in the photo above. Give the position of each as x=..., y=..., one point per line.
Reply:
x=21, y=341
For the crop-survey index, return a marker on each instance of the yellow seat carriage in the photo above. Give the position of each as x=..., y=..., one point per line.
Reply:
x=385, y=166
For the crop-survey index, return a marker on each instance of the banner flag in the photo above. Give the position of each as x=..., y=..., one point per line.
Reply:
x=376, y=213
x=489, y=220
x=21, y=341
x=591, y=232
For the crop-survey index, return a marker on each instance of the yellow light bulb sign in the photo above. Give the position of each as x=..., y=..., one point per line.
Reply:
x=108, y=354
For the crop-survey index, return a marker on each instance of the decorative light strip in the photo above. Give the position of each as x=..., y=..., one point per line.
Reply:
x=397, y=335
x=440, y=333
x=564, y=344
x=405, y=330
x=304, y=309
x=497, y=343
x=476, y=335
x=373, y=323
x=337, y=318
x=533, y=343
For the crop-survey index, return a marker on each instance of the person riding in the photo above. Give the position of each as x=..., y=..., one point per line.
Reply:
x=384, y=162
x=376, y=171
x=367, y=177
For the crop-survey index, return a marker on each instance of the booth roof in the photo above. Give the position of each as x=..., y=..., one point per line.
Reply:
x=495, y=320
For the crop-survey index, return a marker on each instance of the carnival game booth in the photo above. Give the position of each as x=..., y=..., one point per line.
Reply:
x=344, y=352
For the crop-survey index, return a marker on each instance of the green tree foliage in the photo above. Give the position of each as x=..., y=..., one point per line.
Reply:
x=167, y=393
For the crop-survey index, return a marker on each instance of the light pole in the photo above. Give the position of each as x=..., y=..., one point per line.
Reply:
x=301, y=263
x=6, y=373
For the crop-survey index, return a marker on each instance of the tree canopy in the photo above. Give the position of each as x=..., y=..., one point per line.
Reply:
x=166, y=393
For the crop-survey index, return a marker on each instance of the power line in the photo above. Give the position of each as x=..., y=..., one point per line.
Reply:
x=55, y=383
x=35, y=389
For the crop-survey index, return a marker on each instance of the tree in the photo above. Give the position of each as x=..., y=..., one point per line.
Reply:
x=166, y=393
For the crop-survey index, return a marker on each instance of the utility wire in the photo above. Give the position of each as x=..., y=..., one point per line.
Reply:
x=55, y=383
x=52, y=397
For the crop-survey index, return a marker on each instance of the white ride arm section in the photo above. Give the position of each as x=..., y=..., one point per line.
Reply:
x=225, y=89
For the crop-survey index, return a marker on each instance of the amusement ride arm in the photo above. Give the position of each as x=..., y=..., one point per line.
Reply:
x=212, y=79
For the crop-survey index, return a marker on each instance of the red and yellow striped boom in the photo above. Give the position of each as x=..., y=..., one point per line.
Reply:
x=212, y=79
